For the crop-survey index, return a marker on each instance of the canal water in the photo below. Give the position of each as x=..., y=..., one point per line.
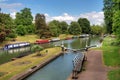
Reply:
x=60, y=68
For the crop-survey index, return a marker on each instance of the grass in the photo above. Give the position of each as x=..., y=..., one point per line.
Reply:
x=63, y=36
x=111, y=57
x=12, y=69
x=28, y=38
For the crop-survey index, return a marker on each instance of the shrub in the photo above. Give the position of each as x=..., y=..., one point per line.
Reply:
x=36, y=48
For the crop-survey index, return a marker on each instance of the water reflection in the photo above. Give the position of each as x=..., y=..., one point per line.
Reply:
x=61, y=68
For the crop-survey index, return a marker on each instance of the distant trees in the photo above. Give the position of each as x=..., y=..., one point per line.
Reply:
x=6, y=25
x=97, y=30
x=85, y=25
x=57, y=28
x=54, y=28
x=41, y=28
x=64, y=27
x=75, y=28
x=24, y=17
x=24, y=20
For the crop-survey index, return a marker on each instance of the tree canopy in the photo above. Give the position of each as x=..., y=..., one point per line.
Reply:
x=6, y=25
x=54, y=28
x=108, y=14
x=41, y=26
x=75, y=28
x=24, y=17
x=85, y=25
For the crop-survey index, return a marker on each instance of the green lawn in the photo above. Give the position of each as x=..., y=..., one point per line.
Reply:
x=14, y=67
x=111, y=57
x=28, y=38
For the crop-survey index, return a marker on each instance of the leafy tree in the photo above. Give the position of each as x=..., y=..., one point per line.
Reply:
x=41, y=27
x=55, y=28
x=97, y=30
x=24, y=17
x=6, y=25
x=6, y=20
x=74, y=28
x=40, y=21
x=85, y=25
x=21, y=30
x=30, y=29
x=63, y=27
x=116, y=24
x=108, y=14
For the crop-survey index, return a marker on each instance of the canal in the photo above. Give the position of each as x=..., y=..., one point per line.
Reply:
x=60, y=68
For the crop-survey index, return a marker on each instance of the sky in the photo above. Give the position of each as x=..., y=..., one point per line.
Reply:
x=62, y=10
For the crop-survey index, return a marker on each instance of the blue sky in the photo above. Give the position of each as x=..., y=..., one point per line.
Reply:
x=62, y=10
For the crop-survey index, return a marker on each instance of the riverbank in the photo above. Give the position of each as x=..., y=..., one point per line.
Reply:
x=31, y=39
x=94, y=68
x=111, y=57
x=20, y=65
x=102, y=63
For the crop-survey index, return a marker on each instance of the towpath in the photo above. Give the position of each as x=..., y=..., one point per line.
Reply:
x=95, y=69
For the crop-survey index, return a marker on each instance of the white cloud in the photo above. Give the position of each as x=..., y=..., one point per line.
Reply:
x=93, y=17
x=9, y=6
x=13, y=15
x=64, y=17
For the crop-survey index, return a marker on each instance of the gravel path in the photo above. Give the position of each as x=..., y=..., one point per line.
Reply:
x=95, y=69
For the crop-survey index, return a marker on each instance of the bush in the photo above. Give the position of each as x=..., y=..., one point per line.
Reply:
x=12, y=35
x=21, y=30
x=36, y=48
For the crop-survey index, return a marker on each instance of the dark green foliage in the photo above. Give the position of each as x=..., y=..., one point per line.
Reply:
x=116, y=24
x=63, y=27
x=6, y=25
x=6, y=20
x=97, y=30
x=108, y=14
x=36, y=48
x=12, y=35
x=40, y=21
x=30, y=29
x=74, y=28
x=41, y=28
x=55, y=28
x=21, y=30
x=24, y=17
x=85, y=25
x=23, y=22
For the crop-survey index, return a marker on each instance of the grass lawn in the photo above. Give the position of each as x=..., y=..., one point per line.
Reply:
x=63, y=36
x=111, y=57
x=14, y=67
x=28, y=38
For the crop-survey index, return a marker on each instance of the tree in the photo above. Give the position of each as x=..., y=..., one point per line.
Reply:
x=116, y=24
x=74, y=28
x=108, y=14
x=30, y=29
x=64, y=27
x=21, y=30
x=97, y=30
x=55, y=28
x=24, y=17
x=41, y=27
x=85, y=25
x=6, y=25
